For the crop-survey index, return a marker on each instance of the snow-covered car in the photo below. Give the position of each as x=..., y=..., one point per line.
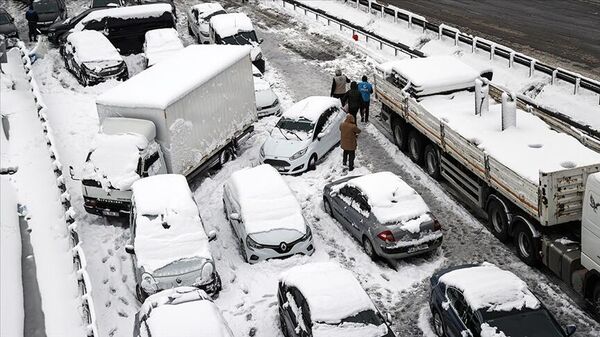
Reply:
x=237, y=29
x=198, y=18
x=304, y=134
x=160, y=44
x=265, y=215
x=180, y=312
x=484, y=300
x=267, y=103
x=169, y=246
x=325, y=300
x=92, y=59
x=386, y=215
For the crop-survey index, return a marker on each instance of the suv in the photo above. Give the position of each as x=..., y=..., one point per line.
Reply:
x=49, y=12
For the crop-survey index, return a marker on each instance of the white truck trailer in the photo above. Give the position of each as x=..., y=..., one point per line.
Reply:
x=184, y=115
x=534, y=183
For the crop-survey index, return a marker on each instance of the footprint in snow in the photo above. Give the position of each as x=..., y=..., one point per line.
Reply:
x=108, y=304
x=252, y=332
x=105, y=281
x=122, y=314
x=104, y=259
x=112, y=332
x=249, y=316
x=113, y=268
x=123, y=300
x=110, y=252
x=112, y=290
x=124, y=278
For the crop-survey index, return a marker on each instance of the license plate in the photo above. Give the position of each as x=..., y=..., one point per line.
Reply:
x=110, y=213
x=417, y=248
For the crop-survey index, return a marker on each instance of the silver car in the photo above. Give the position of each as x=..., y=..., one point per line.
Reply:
x=385, y=214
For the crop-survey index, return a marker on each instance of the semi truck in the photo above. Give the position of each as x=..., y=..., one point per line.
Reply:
x=539, y=187
x=184, y=115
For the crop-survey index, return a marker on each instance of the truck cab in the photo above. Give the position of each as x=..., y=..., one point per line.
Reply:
x=124, y=151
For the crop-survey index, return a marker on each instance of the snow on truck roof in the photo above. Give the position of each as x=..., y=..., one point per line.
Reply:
x=266, y=201
x=168, y=225
x=205, y=9
x=311, y=107
x=166, y=82
x=127, y=12
x=491, y=288
x=332, y=292
x=93, y=46
x=231, y=24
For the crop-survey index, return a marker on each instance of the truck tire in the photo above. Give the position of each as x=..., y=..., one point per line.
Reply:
x=498, y=220
x=400, y=134
x=227, y=155
x=527, y=246
x=432, y=161
x=596, y=298
x=415, y=147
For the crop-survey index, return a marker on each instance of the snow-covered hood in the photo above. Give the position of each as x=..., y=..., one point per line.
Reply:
x=277, y=146
x=263, y=92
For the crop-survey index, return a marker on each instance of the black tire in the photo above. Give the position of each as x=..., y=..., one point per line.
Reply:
x=596, y=299
x=439, y=328
x=415, y=147
x=527, y=246
x=312, y=162
x=327, y=207
x=431, y=157
x=368, y=247
x=400, y=135
x=498, y=220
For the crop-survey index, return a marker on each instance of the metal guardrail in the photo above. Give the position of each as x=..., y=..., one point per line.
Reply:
x=584, y=133
x=79, y=261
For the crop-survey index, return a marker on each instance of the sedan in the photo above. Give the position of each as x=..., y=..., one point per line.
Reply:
x=267, y=103
x=386, y=215
x=305, y=133
x=198, y=17
x=484, y=300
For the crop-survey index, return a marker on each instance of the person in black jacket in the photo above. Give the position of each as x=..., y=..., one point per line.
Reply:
x=32, y=19
x=353, y=99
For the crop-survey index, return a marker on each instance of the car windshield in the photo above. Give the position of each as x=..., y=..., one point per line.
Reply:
x=530, y=323
x=45, y=6
x=106, y=3
x=179, y=267
x=299, y=129
x=4, y=19
x=241, y=38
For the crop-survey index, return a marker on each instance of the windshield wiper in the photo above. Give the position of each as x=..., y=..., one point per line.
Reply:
x=293, y=133
x=283, y=134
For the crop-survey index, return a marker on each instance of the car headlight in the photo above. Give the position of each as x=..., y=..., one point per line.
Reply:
x=299, y=154
x=262, y=150
x=252, y=244
x=206, y=274
x=149, y=284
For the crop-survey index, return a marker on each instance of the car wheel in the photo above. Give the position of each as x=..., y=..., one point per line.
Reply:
x=312, y=162
x=140, y=294
x=368, y=247
x=438, y=324
x=526, y=244
x=399, y=132
x=327, y=206
x=498, y=220
x=432, y=161
x=243, y=249
x=415, y=147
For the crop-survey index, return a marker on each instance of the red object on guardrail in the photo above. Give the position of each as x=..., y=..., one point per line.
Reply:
x=355, y=37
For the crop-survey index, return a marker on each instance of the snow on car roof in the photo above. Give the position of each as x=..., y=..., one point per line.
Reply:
x=526, y=149
x=311, y=107
x=120, y=125
x=127, y=12
x=168, y=225
x=266, y=201
x=332, y=292
x=161, y=44
x=93, y=46
x=390, y=198
x=491, y=288
x=206, y=9
x=166, y=82
x=230, y=24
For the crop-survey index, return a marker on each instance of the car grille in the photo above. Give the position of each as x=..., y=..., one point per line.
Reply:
x=269, y=106
x=110, y=71
x=276, y=162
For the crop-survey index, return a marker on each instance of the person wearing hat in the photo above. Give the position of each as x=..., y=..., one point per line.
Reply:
x=338, y=86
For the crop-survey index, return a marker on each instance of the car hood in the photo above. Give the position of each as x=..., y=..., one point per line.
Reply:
x=265, y=97
x=45, y=17
x=277, y=236
x=280, y=147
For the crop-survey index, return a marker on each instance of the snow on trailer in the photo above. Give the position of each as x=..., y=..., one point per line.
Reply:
x=93, y=46
x=161, y=44
x=127, y=12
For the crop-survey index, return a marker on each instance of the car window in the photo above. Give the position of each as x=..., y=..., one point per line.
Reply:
x=295, y=301
x=325, y=120
x=348, y=194
x=463, y=310
x=363, y=203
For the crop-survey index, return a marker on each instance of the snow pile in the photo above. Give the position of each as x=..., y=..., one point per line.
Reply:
x=231, y=24
x=391, y=199
x=93, y=46
x=266, y=201
x=331, y=291
x=206, y=9
x=168, y=225
x=311, y=108
x=161, y=44
x=491, y=288
x=128, y=12
x=489, y=331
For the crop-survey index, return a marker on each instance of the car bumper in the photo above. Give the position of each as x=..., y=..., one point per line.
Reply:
x=106, y=207
x=275, y=110
x=400, y=250
x=256, y=255
x=285, y=165
x=122, y=75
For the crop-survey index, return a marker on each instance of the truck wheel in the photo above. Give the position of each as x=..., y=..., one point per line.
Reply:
x=400, y=135
x=415, y=147
x=526, y=244
x=226, y=156
x=432, y=161
x=596, y=298
x=498, y=220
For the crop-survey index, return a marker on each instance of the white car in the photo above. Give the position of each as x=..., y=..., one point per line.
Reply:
x=180, y=312
x=160, y=44
x=169, y=246
x=265, y=215
x=237, y=29
x=198, y=17
x=303, y=135
x=267, y=103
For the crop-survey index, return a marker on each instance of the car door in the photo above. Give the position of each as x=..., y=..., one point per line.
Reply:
x=332, y=127
x=231, y=206
x=349, y=213
x=319, y=142
x=298, y=313
x=458, y=314
x=363, y=222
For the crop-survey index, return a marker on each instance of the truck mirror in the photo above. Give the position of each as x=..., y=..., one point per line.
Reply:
x=129, y=249
x=570, y=329
x=234, y=216
x=212, y=236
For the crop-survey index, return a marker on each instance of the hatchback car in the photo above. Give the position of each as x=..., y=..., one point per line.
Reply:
x=198, y=18
x=267, y=103
x=92, y=59
x=7, y=25
x=160, y=44
x=169, y=245
x=265, y=215
x=484, y=300
x=49, y=12
x=386, y=215
x=304, y=134
x=325, y=300
x=180, y=312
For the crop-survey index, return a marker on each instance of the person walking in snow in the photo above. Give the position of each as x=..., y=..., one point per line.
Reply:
x=32, y=19
x=349, y=132
x=338, y=86
x=366, y=89
x=353, y=99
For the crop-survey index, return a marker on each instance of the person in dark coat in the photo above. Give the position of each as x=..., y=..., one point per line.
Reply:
x=353, y=99
x=366, y=89
x=32, y=19
x=349, y=132
x=338, y=86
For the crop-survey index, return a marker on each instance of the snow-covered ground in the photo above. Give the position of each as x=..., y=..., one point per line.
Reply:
x=301, y=56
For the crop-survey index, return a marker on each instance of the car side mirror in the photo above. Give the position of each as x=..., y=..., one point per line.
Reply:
x=129, y=249
x=212, y=236
x=570, y=329
x=234, y=216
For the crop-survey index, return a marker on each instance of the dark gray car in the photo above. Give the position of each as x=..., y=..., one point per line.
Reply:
x=7, y=25
x=49, y=12
x=385, y=214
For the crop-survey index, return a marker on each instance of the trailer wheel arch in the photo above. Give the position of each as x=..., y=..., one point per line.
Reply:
x=400, y=130
x=526, y=240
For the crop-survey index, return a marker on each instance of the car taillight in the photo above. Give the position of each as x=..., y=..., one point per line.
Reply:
x=386, y=236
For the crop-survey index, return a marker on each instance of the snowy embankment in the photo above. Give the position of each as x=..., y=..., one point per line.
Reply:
x=582, y=107
x=37, y=189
